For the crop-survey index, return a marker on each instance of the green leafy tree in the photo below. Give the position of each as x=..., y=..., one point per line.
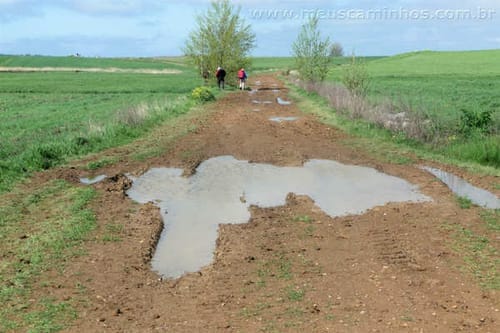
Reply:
x=221, y=38
x=355, y=77
x=311, y=52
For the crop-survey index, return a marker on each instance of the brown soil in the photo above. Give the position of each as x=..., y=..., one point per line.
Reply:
x=392, y=269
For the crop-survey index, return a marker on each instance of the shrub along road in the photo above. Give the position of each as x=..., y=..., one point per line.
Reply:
x=427, y=267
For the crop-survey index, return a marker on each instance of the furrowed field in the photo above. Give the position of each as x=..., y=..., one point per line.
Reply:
x=49, y=117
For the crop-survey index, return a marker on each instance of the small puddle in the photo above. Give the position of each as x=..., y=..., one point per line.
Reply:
x=256, y=110
x=261, y=102
x=283, y=119
x=462, y=188
x=93, y=180
x=283, y=102
x=223, y=188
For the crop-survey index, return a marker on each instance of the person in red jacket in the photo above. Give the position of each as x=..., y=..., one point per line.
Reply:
x=242, y=75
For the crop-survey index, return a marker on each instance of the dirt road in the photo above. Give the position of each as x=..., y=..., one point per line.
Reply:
x=291, y=269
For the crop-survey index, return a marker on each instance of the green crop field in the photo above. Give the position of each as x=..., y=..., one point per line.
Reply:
x=445, y=86
x=260, y=64
x=46, y=118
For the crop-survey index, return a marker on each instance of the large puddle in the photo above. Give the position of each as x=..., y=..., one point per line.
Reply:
x=223, y=188
x=462, y=188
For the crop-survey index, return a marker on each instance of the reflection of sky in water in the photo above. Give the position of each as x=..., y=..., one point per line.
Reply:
x=282, y=119
x=192, y=208
x=461, y=188
x=283, y=102
x=91, y=181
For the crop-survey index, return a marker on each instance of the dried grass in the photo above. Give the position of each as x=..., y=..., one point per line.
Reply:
x=398, y=118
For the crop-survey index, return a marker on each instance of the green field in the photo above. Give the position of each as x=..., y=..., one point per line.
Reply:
x=444, y=86
x=47, y=118
x=269, y=64
x=440, y=82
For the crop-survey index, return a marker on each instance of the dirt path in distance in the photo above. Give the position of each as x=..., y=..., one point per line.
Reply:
x=292, y=268
x=89, y=69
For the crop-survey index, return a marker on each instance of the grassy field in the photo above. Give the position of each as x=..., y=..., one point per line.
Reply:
x=269, y=64
x=452, y=89
x=47, y=118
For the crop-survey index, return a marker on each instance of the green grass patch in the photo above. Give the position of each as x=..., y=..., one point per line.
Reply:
x=303, y=218
x=481, y=258
x=40, y=233
x=464, y=202
x=492, y=219
x=295, y=294
x=112, y=232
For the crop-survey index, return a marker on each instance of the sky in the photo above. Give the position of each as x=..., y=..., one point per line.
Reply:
x=144, y=28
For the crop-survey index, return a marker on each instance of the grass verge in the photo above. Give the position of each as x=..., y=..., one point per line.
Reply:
x=41, y=232
x=382, y=144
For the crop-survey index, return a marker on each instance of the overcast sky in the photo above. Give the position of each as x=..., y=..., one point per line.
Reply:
x=110, y=28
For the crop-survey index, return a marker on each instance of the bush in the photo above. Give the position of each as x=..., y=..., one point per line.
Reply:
x=355, y=78
x=475, y=120
x=202, y=95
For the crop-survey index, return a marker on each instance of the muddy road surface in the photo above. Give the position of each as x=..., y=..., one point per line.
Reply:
x=396, y=268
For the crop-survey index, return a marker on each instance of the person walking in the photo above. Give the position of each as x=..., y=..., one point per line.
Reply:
x=220, y=74
x=242, y=75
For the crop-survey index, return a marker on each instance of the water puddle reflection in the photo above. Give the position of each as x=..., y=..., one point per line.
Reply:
x=282, y=119
x=283, y=102
x=93, y=180
x=223, y=188
x=462, y=188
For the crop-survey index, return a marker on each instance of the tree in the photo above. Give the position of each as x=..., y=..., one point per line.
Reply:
x=336, y=50
x=311, y=52
x=221, y=38
x=355, y=77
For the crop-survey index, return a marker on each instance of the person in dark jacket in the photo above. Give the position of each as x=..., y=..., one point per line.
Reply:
x=220, y=74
